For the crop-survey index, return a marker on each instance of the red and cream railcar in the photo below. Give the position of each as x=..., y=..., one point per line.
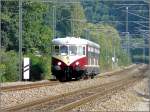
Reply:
x=74, y=58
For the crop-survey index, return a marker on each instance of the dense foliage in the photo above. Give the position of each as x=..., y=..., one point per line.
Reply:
x=108, y=39
x=9, y=66
x=114, y=12
x=37, y=35
x=40, y=67
x=38, y=24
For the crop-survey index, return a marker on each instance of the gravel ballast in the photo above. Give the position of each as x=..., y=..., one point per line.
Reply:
x=135, y=98
x=22, y=96
x=13, y=98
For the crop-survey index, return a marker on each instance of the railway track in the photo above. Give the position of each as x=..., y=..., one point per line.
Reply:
x=51, y=83
x=117, y=72
x=101, y=92
x=28, y=86
x=68, y=101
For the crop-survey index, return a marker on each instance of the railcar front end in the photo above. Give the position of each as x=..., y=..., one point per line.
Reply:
x=74, y=58
x=68, y=61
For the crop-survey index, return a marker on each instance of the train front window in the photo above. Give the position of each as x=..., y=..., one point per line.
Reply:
x=63, y=50
x=76, y=50
x=72, y=50
x=68, y=50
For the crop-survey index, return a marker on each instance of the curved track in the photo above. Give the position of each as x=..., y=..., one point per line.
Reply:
x=51, y=83
x=101, y=92
x=67, y=101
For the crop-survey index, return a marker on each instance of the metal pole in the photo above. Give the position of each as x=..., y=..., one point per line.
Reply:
x=106, y=55
x=149, y=53
x=72, y=24
x=114, y=54
x=0, y=31
x=0, y=43
x=149, y=36
x=72, y=17
x=144, y=50
x=20, y=39
x=144, y=54
x=87, y=34
x=54, y=20
x=126, y=19
x=127, y=34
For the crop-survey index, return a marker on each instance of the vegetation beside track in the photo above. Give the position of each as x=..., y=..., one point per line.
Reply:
x=37, y=35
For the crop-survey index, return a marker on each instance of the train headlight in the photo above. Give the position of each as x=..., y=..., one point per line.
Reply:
x=59, y=63
x=77, y=63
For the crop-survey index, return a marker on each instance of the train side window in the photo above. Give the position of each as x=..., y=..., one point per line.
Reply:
x=89, y=58
x=89, y=49
x=83, y=50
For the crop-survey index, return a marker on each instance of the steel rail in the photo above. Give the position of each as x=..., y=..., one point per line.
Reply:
x=117, y=72
x=51, y=83
x=55, y=99
x=106, y=91
x=27, y=86
x=47, y=99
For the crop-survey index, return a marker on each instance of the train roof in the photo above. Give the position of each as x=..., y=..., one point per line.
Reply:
x=73, y=41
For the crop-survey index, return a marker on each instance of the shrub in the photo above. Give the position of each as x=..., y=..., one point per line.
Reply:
x=39, y=67
x=8, y=66
x=2, y=72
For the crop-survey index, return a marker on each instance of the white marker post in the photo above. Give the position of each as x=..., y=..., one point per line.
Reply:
x=26, y=68
x=113, y=61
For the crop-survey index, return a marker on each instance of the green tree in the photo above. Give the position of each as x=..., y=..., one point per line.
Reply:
x=70, y=19
x=109, y=40
x=78, y=19
x=37, y=34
